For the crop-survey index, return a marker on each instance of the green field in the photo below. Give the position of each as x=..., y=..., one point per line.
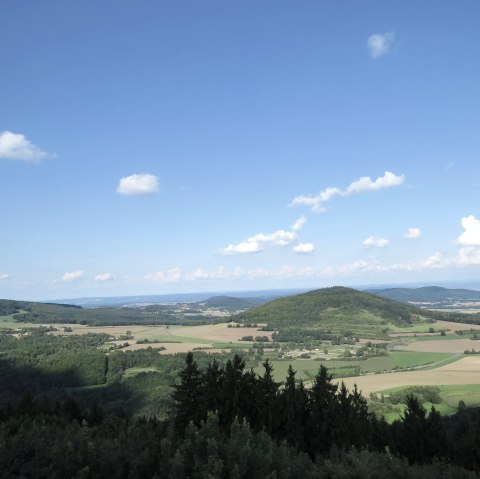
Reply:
x=450, y=396
x=410, y=359
x=8, y=322
x=469, y=393
x=418, y=327
x=307, y=368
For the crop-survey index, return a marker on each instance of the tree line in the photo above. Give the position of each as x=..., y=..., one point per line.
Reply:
x=228, y=422
x=312, y=420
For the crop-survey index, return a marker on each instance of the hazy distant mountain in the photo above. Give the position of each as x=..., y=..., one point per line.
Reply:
x=116, y=301
x=428, y=294
x=230, y=303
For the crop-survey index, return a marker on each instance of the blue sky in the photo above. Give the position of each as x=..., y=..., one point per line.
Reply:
x=156, y=147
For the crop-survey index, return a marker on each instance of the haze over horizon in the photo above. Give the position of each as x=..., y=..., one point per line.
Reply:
x=169, y=148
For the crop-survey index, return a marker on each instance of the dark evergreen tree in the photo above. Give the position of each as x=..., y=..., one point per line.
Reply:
x=418, y=437
x=267, y=401
x=231, y=392
x=213, y=379
x=294, y=409
x=361, y=421
x=322, y=405
x=188, y=395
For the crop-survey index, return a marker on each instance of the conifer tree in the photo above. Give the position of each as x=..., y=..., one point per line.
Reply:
x=322, y=413
x=293, y=410
x=267, y=400
x=231, y=393
x=188, y=395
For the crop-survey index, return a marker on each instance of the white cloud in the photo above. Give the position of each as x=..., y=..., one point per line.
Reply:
x=380, y=44
x=254, y=244
x=4, y=276
x=365, y=183
x=372, y=242
x=173, y=275
x=468, y=256
x=219, y=273
x=249, y=246
x=294, y=272
x=104, y=277
x=471, y=235
x=435, y=261
x=14, y=146
x=359, y=266
x=413, y=233
x=139, y=184
x=298, y=225
x=72, y=276
x=304, y=248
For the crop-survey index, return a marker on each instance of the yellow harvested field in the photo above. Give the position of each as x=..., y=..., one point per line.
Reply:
x=137, y=331
x=212, y=332
x=218, y=332
x=469, y=363
x=443, y=346
x=463, y=371
x=455, y=326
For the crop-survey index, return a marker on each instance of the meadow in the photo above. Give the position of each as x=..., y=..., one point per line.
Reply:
x=450, y=397
x=414, y=355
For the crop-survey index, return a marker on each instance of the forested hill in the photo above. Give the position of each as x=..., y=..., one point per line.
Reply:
x=9, y=306
x=48, y=313
x=324, y=305
x=427, y=294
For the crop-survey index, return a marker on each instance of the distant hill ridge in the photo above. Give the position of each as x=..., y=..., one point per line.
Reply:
x=231, y=303
x=427, y=294
x=50, y=313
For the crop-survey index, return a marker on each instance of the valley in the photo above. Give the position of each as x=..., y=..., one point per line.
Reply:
x=376, y=343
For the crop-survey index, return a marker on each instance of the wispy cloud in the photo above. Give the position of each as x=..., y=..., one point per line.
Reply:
x=298, y=225
x=304, y=248
x=173, y=275
x=72, y=276
x=138, y=184
x=4, y=276
x=256, y=243
x=15, y=146
x=471, y=235
x=465, y=257
x=365, y=183
x=102, y=277
x=413, y=233
x=219, y=273
x=373, y=242
x=379, y=44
